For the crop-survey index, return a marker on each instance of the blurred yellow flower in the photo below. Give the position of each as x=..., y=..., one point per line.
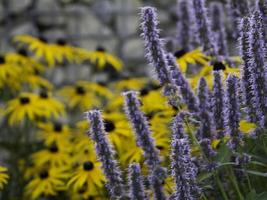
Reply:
x=3, y=177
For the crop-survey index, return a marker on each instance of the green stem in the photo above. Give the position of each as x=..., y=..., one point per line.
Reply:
x=220, y=185
x=235, y=184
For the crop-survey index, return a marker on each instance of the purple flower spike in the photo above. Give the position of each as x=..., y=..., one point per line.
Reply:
x=218, y=103
x=144, y=140
x=136, y=183
x=186, y=34
x=261, y=5
x=154, y=49
x=259, y=53
x=105, y=154
x=178, y=79
x=206, y=127
x=250, y=93
x=203, y=27
x=184, y=170
x=231, y=111
x=218, y=27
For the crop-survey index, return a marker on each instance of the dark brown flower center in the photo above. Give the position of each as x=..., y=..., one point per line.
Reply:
x=43, y=39
x=53, y=148
x=109, y=126
x=44, y=174
x=100, y=49
x=80, y=90
x=88, y=166
x=2, y=59
x=23, y=52
x=24, y=100
x=57, y=127
x=61, y=41
x=43, y=94
x=218, y=66
x=180, y=53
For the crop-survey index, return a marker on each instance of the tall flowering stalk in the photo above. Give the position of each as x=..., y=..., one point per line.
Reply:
x=218, y=103
x=136, y=183
x=250, y=93
x=178, y=79
x=146, y=142
x=203, y=27
x=154, y=48
x=186, y=37
x=218, y=27
x=258, y=52
x=184, y=170
x=232, y=111
x=106, y=155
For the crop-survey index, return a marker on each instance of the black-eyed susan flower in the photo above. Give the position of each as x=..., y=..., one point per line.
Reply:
x=89, y=177
x=51, y=53
x=23, y=107
x=21, y=59
x=100, y=58
x=131, y=152
x=130, y=84
x=34, y=82
x=55, y=132
x=80, y=96
x=51, y=106
x=9, y=73
x=3, y=177
x=48, y=182
x=56, y=154
x=184, y=58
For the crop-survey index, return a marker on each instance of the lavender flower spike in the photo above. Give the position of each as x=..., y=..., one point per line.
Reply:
x=218, y=27
x=144, y=139
x=206, y=128
x=217, y=102
x=136, y=183
x=250, y=93
x=184, y=171
x=259, y=59
x=203, y=27
x=154, y=49
x=178, y=79
x=231, y=111
x=105, y=154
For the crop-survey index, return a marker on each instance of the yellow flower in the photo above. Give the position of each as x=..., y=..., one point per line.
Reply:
x=54, y=132
x=56, y=154
x=246, y=127
x=80, y=96
x=184, y=58
x=3, y=177
x=100, y=58
x=37, y=82
x=47, y=183
x=130, y=84
x=50, y=106
x=8, y=72
x=131, y=152
x=52, y=53
x=88, y=176
x=25, y=106
x=29, y=65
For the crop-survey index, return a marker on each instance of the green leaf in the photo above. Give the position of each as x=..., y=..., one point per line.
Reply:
x=203, y=176
x=255, y=173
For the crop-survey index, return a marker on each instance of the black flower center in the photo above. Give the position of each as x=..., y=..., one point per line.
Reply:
x=218, y=66
x=87, y=166
x=144, y=92
x=61, y=41
x=53, y=148
x=23, y=52
x=100, y=49
x=180, y=53
x=57, y=127
x=43, y=94
x=2, y=59
x=80, y=90
x=109, y=126
x=160, y=147
x=24, y=100
x=43, y=174
x=43, y=39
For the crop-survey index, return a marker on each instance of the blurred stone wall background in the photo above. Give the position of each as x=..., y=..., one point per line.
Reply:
x=86, y=23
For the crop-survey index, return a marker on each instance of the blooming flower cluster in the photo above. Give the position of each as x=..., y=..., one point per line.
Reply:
x=196, y=132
